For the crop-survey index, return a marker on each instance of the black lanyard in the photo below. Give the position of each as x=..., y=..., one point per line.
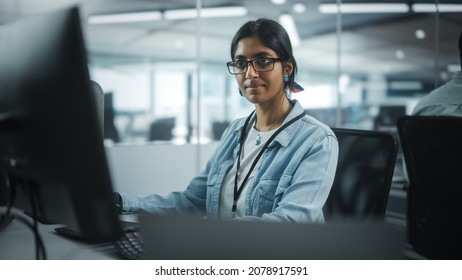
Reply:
x=237, y=192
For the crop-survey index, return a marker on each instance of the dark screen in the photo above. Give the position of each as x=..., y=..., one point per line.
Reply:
x=51, y=144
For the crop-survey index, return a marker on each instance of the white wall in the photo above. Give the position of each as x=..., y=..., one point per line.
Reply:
x=156, y=168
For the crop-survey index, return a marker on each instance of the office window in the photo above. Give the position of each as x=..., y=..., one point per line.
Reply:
x=129, y=89
x=169, y=101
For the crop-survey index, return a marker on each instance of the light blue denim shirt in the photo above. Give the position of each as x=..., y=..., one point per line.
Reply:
x=292, y=183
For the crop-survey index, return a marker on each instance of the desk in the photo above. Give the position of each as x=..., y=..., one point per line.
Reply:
x=17, y=243
x=187, y=238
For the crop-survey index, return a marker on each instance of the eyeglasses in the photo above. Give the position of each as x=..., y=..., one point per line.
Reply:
x=237, y=67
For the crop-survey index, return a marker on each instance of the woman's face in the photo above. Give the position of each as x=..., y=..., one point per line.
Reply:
x=260, y=87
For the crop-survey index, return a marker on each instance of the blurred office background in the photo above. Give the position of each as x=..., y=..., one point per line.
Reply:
x=162, y=66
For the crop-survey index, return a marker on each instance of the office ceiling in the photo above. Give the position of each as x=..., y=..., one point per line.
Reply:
x=370, y=43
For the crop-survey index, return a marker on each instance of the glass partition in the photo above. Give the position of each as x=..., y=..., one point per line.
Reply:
x=166, y=79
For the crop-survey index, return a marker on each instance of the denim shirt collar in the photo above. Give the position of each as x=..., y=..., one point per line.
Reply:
x=287, y=134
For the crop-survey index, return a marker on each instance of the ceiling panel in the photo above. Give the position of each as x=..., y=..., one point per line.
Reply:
x=369, y=42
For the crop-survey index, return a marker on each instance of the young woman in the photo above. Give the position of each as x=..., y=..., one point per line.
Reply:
x=278, y=164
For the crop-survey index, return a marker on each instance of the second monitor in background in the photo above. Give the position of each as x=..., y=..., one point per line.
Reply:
x=388, y=116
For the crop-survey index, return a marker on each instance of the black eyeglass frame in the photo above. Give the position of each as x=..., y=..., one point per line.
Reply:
x=251, y=61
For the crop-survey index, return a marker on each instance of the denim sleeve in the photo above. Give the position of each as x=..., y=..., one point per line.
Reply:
x=188, y=202
x=191, y=201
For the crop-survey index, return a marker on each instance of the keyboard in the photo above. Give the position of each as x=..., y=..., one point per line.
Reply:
x=130, y=244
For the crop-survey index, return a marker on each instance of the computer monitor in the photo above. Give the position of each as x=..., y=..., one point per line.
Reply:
x=51, y=145
x=388, y=116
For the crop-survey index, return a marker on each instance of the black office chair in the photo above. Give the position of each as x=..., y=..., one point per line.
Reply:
x=109, y=114
x=364, y=175
x=432, y=149
x=161, y=129
x=99, y=102
x=218, y=128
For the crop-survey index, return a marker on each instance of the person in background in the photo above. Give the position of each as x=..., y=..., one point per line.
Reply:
x=445, y=100
x=277, y=164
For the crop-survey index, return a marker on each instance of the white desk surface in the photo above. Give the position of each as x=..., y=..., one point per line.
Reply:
x=17, y=243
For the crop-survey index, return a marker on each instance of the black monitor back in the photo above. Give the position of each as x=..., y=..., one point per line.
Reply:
x=432, y=148
x=51, y=144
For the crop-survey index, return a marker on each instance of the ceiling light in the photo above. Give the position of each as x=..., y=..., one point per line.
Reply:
x=400, y=54
x=125, y=17
x=420, y=34
x=278, y=2
x=288, y=23
x=299, y=8
x=359, y=8
x=442, y=8
x=205, y=13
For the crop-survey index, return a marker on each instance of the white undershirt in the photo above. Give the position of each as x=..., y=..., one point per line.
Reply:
x=249, y=153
